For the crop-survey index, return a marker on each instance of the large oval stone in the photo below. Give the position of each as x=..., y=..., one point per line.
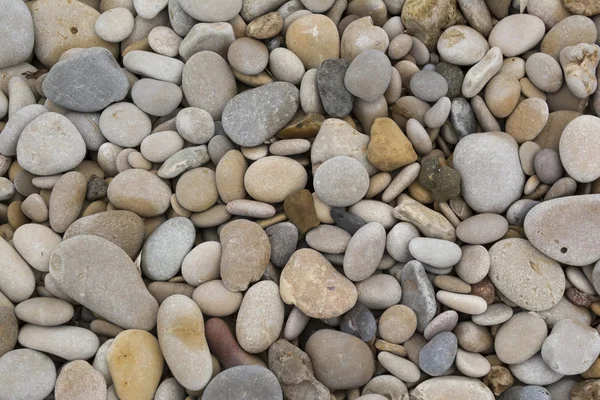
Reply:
x=256, y=115
x=272, y=179
x=256, y=382
x=139, y=191
x=86, y=82
x=312, y=284
x=79, y=380
x=180, y=330
x=99, y=275
x=490, y=171
x=245, y=254
x=566, y=229
x=121, y=227
x=525, y=276
x=18, y=282
x=68, y=342
x=452, y=387
x=17, y=33
x=32, y=375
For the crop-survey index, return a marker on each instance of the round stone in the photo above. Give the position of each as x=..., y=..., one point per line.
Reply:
x=437, y=356
x=520, y=337
x=397, y=324
x=115, y=25
x=428, y=86
x=216, y=300
x=196, y=189
x=124, y=124
x=482, y=228
x=255, y=381
x=444, y=322
x=271, y=179
x=578, y=148
x=78, y=379
x=379, y=291
x=535, y=371
x=159, y=146
x=33, y=374
x=544, y=72
x=314, y=39
x=139, y=191
x=212, y=10
x=368, y=75
x=548, y=166
x=502, y=95
x=462, y=45
x=341, y=181
x=572, y=30
x=517, y=267
x=36, y=243
x=49, y=145
x=164, y=41
x=248, y=56
x=195, y=125
x=18, y=281
x=285, y=66
x=156, y=97
x=202, y=263
x=516, y=34
x=527, y=120
x=564, y=355
x=340, y=360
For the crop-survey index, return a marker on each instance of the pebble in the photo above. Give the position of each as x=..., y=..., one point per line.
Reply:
x=435, y=252
x=444, y=322
x=495, y=314
x=135, y=363
x=359, y=322
x=527, y=120
x=33, y=375
x=416, y=17
x=212, y=11
x=535, y=371
x=398, y=240
x=208, y=83
x=164, y=41
x=401, y=368
x=570, y=31
x=565, y=356
x=19, y=34
x=577, y=148
x=35, y=244
x=271, y=179
x=564, y=242
x=516, y=267
x=516, y=34
x=389, y=148
x=490, y=180
x=120, y=296
x=461, y=45
x=379, y=291
x=10, y=329
x=18, y=281
x=429, y=222
x=170, y=389
x=361, y=34
x=481, y=73
x=526, y=392
x=473, y=365
x=323, y=293
x=368, y=75
x=286, y=66
x=462, y=117
x=44, y=311
x=314, y=39
x=428, y=86
x=544, y=72
x=418, y=293
x=78, y=379
x=397, y=324
x=245, y=254
x=139, y=191
x=465, y=303
x=463, y=387
x=156, y=97
x=216, y=300
x=547, y=166
x=124, y=124
x=244, y=117
x=254, y=380
x=579, y=63
x=214, y=37
x=337, y=100
x=341, y=181
x=68, y=342
x=482, y=228
x=437, y=356
x=196, y=189
x=520, y=337
x=564, y=309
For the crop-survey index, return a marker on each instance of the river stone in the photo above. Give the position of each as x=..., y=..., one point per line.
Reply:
x=66, y=200
x=312, y=284
x=397, y=324
x=314, y=39
x=526, y=393
x=570, y=31
x=71, y=81
x=490, y=170
x=369, y=75
x=208, y=83
x=79, y=380
x=60, y=25
x=215, y=37
x=166, y=248
x=135, y=363
x=359, y=322
x=170, y=389
x=260, y=317
x=535, y=371
x=340, y=360
x=105, y=281
x=571, y=348
x=427, y=19
x=256, y=115
x=36, y=243
x=418, y=293
x=517, y=34
x=18, y=281
x=429, y=222
x=379, y=291
x=212, y=10
x=123, y=228
x=139, y=191
x=336, y=98
x=283, y=238
x=428, y=85
x=68, y=342
x=215, y=300
x=272, y=179
x=389, y=148
x=462, y=45
x=520, y=337
x=565, y=228
x=459, y=387
x=256, y=382
x=345, y=220
x=578, y=147
x=245, y=254
x=15, y=126
x=49, y=145
x=9, y=326
x=364, y=251
x=32, y=373
x=190, y=157
x=435, y=252
x=44, y=311
x=495, y=314
x=482, y=228
x=437, y=356
x=17, y=33
x=180, y=330
x=517, y=268
x=341, y=181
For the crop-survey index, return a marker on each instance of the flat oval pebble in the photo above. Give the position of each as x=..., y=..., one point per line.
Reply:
x=328, y=239
x=452, y=386
x=462, y=45
x=196, y=189
x=444, y=322
x=517, y=33
x=180, y=330
x=36, y=243
x=156, y=97
x=435, y=252
x=364, y=251
x=312, y=284
x=577, y=148
x=255, y=381
x=566, y=356
x=401, y=368
x=256, y=115
x=341, y=181
x=368, y=75
x=437, y=356
x=379, y=291
x=472, y=364
x=520, y=337
x=397, y=324
x=535, y=371
x=495, y=314
x=33, y=375
x=118, y=293
x=271, y=179
x=18, y=282
x=44, y=311
x=139, y=191
x=68, y=342
x=482, y=228
x=572, y=30
x=516, y=267
x=314, y=39
x=465, y=303
x=216, y=300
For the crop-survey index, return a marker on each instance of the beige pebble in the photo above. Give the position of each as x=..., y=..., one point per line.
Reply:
x=250, y=208
x=397, y=324
x=79, y=380
x=66, y=200
x=289, y=147
x=216, y=300
x=196, y=189
x=35, y=208
x=502, y=95
x=273, y=178
x=360, y=35
x=202, y=263
x=139, y=191
x=44, y=311
x=36, y=243
x=312, y=48
x=158, y=147
x=214, y=216
x=527, y=120
x=377, y=184
x=464, y=303
x=528, y=89
x=513, y=66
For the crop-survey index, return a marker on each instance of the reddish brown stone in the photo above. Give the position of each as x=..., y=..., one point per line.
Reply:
x=224, y=346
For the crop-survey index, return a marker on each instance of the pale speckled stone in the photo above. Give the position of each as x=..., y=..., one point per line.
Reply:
x=33, y=375
x=68, y=342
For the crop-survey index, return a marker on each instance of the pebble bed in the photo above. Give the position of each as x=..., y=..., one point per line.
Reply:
x=300, y=200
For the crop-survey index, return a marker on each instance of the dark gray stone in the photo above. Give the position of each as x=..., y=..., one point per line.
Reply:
x=348, y=222
x=454, y=76
x=437, y=356
x=360, y=322
x=253, y=381
x=96, y=188
x=283, y=238
x=526, y=393
x=336, y=99
x=254, y=116
x=418, y=293
x=463, y=117
x=86, y=82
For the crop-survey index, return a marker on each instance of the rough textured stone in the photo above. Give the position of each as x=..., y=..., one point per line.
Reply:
x=417, y=18
x=79, y=380
x=336, y=99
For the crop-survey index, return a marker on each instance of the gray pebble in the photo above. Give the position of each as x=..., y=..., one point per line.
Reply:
x=336, y=99
x=526, y=393
x=437, y=356
x=215, y=37
x=254, y=381
x=360, y=322
x=188, y=158
x=454, y=77
x=195, y=125
x=341, y=181
x=348, y=222
x=428, y=86
x=444, y=322
x=15, y=126
x=88, y=125
x=548, y=166
x=534, y=371
x=283, y=238
x=515, y=215
x=418, y=293
x=369, y=75
x=155, y=97
x=152, y=65
x=17, y=33
x=462, y=117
